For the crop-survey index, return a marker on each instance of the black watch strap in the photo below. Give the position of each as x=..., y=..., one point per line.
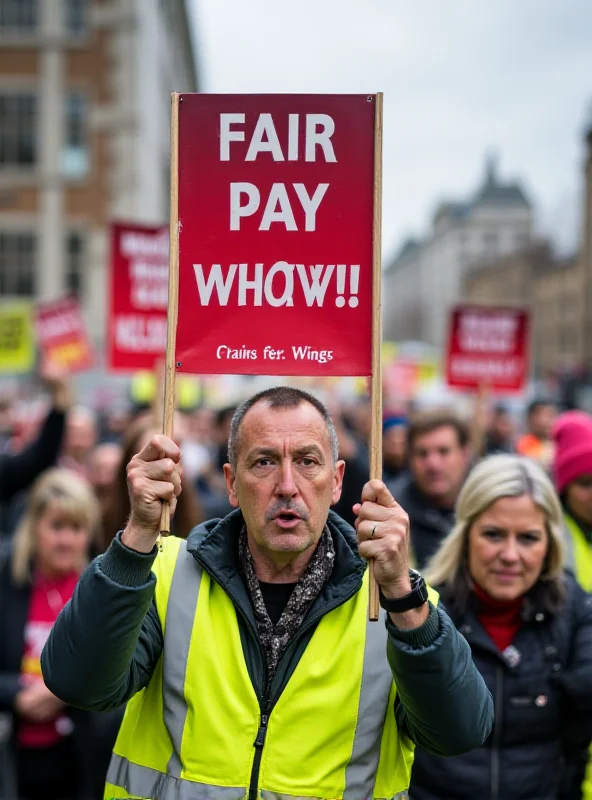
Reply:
x=414, y=599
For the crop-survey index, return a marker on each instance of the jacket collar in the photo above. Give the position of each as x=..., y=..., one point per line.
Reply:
x=214, y=544
x=417, y=504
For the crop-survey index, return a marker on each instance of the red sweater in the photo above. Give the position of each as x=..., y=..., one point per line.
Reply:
x=500, y=618
x=48, y=597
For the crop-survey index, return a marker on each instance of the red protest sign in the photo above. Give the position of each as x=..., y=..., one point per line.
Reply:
x=62, y=334
x=275, y=210
x=488, y=346
x=138, y=287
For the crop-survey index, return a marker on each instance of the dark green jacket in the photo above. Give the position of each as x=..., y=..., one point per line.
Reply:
x=108, y=639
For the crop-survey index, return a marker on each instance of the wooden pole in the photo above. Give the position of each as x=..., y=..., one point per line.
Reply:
x=158, y=399
x=376, y=380
x=173, y=299
x=480, y=420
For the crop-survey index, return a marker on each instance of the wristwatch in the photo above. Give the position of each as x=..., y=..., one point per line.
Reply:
x=414, y=599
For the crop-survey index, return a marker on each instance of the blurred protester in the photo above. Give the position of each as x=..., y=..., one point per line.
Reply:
x=439, y=455
x=357, y=468
x=104, y=464
x=6, y=419
x=188, y=513
x=537, y=443
x=114, y=423
x=32, y=449
x=394, y=447
x=222, y=423
x=358, y=419
x=50, y=550
x=500, y=437
x=19, y=470
x=500, y=575
x=572, y=469
x=80, y=439
x=198, y=443
x=353, y=449
x=210, y=484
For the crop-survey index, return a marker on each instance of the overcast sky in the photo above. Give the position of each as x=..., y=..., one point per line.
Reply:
x=460, y=78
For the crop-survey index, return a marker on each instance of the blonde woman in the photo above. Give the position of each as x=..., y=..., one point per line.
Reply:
x=50, y=550
x=500, y=574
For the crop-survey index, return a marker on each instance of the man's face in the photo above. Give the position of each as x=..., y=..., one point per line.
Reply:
x=285, y=480
x=104, y=465
x=394, y=445
x=579, y=498
x=439, y=464
x=81, y=435
x=541, y=421
x=503, y=426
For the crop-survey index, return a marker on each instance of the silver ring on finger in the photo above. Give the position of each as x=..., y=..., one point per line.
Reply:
x=373, y=531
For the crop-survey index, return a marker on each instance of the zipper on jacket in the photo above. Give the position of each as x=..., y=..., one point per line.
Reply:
x=497, y=732
x=266, y=705
x=259, y=742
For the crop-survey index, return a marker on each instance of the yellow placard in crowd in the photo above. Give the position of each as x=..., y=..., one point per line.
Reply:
x=17, y=339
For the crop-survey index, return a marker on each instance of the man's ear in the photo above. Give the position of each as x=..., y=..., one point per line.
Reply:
x=230, y=478
x=337, y=481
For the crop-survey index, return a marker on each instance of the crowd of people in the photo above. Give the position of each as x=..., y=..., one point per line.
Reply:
x=500, y=526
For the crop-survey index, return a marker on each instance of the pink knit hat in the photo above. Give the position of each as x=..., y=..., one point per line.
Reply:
x=572, y=433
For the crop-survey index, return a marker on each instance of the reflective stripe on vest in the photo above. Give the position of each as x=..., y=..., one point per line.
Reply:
x=579, y=553
x=180, y=613
x=149, y=783
x=144, y=782
x=372, y=759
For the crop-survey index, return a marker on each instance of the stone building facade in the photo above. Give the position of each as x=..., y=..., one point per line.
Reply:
x=84, y=135
x=557, y=291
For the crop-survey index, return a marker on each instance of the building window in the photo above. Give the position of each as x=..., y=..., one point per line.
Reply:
x=18, y=130
x=17, y=264
x=75, y=153
x=76, y=15
x=18, y=15
x=74, y=264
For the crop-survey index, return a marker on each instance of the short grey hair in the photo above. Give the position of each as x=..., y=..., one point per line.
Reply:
x=279, y=397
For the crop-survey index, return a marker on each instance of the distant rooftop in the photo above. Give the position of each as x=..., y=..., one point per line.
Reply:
x=408, y=246
x=494, y=192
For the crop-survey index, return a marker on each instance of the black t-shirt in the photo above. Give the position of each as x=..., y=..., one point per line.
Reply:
x=275, y=597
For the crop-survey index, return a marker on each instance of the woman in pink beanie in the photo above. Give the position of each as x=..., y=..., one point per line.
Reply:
x=573, y=477
x=572, y=468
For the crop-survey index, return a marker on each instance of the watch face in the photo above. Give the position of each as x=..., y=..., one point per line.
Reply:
x=416, y=597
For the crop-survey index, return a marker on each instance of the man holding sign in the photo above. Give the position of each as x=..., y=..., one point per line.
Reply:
x=245, y=653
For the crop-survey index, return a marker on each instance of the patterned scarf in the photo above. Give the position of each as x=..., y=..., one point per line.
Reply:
x=275, y=639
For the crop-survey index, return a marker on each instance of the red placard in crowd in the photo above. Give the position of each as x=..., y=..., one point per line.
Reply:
x=62, y=334
x=488, y=347
x=275, y=234
x=138, y=291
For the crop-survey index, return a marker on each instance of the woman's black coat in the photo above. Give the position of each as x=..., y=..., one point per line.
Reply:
x=542, y=691
x=94, y=733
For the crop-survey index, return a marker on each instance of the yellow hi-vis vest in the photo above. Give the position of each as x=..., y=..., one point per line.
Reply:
x=580, y=559
x=190, y=733
x=579, y=553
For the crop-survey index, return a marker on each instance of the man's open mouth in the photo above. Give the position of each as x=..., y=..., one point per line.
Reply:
x=287, y=519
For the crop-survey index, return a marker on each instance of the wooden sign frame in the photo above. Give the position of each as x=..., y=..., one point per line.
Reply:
x=376, y=375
